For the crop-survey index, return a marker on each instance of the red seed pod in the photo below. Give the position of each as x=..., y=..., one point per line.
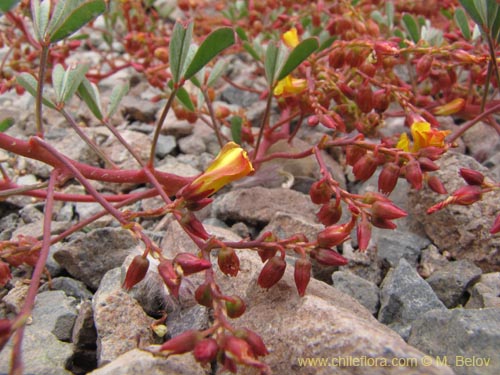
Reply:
x=364, y=98
x=238, y=350
x=170, y=277
x=467, y=195
x=135, y=273
x=381, y=100
x=228, y=261
x=471, y=176
x=388, y=178
x=424, y=65
x=320, y=192
x=436, y=185
x=383, y=223
x=328, y=257
x=334, y=235
x=427, y=165
x=336, y=58
x=431, y=152
x=329, y=213
x=203, y=295
x=183, y=343
x=365, y=167
x=387, y=210
x=5, y=274
x=353, y=153
x=413, y=174
x=254, y=340
x=235, y=307
x=272, y=272
x=205, y=350
x=302, y=275
x=190, y=263
x=364, y=233
x=494, y=229
x=312, y=120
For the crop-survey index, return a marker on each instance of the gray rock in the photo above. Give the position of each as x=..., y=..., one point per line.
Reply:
x=35, y=229
x=486, y=292
x=120, y=322
x=55, y=312
x=84, y=334
x=481, y=141
x=285, y=225
x=141, y=362
x=8, y=224
x=404, y=296
x=89, y=257
x=258, y=205
x=232, y=95
x=451, y=282
x=42, y=353
x=171, y=165
x=30, y=214
x=463, y=231
x=461, y=335
x=72, y=287
x=180, y=320
x=176, y=128
x=395, y=245
x=364, y=291
x=134, y=109
x=430, y=261
x=367, y=265
x=14, y=300
x=192, y=144
x=166, y=144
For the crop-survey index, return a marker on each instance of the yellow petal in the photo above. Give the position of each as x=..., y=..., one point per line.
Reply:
x=291, y=38
x=403, y=142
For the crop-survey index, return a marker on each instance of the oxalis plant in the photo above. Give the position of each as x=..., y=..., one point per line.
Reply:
x=332, y=64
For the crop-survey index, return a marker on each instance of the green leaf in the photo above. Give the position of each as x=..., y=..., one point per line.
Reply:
x=214, y=44
x=272, y=62
x=6, y=124
x=470, y=8
x=412, y=27
x=389, y=11
x=7, y=5
x=248, y=47
x=72, y=79
x=241, y=34
x=178, y=49
x=300, y=53
x=30, y=83
x=326, y=43
x=462, y=23
x=217, y=71
x=40, y=13
x=185, y=99
x=90, y=95
x=116, y=96
x=57, y=81
x=236, y=125
x=69, y=16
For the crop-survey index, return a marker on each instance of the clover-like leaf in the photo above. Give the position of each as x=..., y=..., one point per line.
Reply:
x=90, y=95
x=178, y=49
x=6, y=5
x=30, y=83
x=116, y=96
x=300, y=53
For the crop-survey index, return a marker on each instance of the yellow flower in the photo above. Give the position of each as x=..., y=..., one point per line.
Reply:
x=423, y=136
x=291, y=38
x=230, y=165
x=449, y=108
x=290, y=86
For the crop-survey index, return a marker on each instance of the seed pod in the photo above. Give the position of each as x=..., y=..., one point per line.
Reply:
x=472, y=177
x=190, y=263
x=329, y=213
x=183, y=343
x=205, y=350
x=320, y=192
x=328, y=257
x=135, y=273
x=272, y=272
x=388, y=178
x=365, y=167
x=413, y=174
x=436, y=185
x=236, y=307
x=254, y=340
x=203, y=295
x=170, y=277
x=387, y=210
x=228, y=261
x=302, y=275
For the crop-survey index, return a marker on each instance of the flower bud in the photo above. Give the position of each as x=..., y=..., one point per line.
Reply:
x=431, y=152
x=427, y=165
x=330, y=213
x=436, y=185
x=267, y=253
x=302, y=275
x=254, y=340
x=313, y=120
x=183, y=343
x=365, y=167
x=203, y=295
x=272, y=272
x=205, y=350
x=190, y=263
x=228, y=261
x=5, y=274
x=135, y=273
x=320, y=192
x=472, y=177
x=364, y=233
x=388, y=178
x=467, y=195
x=333, y=235
x=413, y=174
x=328, y=257
x=383, y=223
x=353, y=153
x=387, y=210
x=235, y=307
x=170, y=277
x=424, y=65
x=364, y=98
x=238, y=350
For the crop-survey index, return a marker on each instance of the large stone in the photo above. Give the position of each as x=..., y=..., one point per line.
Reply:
x=486, y=292
x=481, y=141
x=285, y=225
x=404, y=296
x=120, y=321
x=395, y=245
x=141, y=362
x=450, y=283
x=258, y=205
x=461, y=230
x=364, y=291
x=461, y=335
x=72, y=287
x=89, y=257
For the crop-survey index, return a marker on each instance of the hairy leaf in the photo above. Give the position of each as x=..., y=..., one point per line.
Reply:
x=462, y=23
x=178, y=49
x=300, y=53
x=6, y=124
x=90, y=95
x=116, y=96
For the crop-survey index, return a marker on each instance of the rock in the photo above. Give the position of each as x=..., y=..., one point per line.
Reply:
x=119, y=155
x=285, y=225
x=404, y=296
x=481, y=141
x=141, y=362
x=325, y=323
x=71, y=287
x=366, y=265
x=463, y=231
x=55, y=312
x=192, y=144
x=364, y=291
x=232, y=95
x=176, y=128
x=42, y=353
x=134, y=109
x=171, y=165
x=180, y=320
x=461, y=335
x=14, y=300
x=84, y=339
x=166, y=144
x=486, y=292
x=8, y=224
x=258, y=205
x=89, y=257
x=35, y=229
x=430, y=261
x=393, y=245
x=450, y=283
x=31, y=214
